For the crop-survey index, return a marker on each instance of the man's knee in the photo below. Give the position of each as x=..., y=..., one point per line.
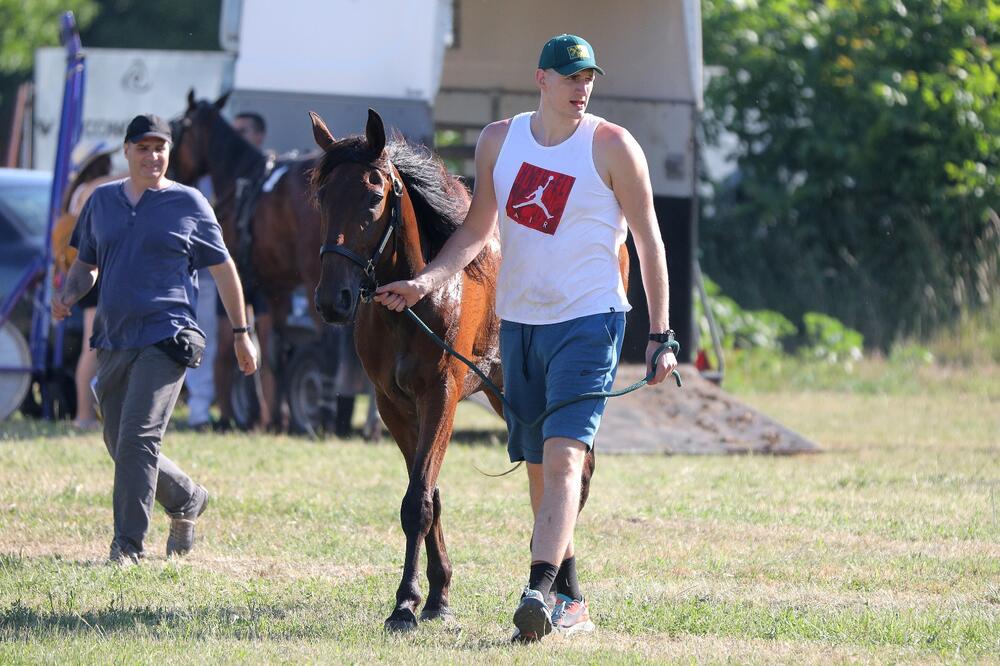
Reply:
x=563, y=458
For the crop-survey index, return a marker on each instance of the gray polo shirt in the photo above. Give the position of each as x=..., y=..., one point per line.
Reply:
x=147, y=256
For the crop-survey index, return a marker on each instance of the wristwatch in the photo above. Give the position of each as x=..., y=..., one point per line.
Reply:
x=666, y=336
x=241, y=329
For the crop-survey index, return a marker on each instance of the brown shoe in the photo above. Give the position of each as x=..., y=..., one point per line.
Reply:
x=180, y=541
x=121, y=558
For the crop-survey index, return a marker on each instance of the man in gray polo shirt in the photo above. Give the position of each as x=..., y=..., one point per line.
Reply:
x=147, y=236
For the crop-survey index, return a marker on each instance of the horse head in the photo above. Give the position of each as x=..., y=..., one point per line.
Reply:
x=189, y=155
x=358, y=192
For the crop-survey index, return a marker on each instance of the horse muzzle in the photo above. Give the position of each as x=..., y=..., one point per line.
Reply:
x=337, y=305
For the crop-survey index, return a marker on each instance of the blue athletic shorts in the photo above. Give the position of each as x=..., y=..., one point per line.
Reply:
x=547, y=363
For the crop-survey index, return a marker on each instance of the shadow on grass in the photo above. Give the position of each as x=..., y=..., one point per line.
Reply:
x=20, y=622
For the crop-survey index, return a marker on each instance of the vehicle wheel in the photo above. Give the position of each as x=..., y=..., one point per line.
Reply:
x=312, y=404
x=243, y=396
x=16, y=379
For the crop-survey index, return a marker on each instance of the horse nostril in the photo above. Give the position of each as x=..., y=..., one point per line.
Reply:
x=344, y=299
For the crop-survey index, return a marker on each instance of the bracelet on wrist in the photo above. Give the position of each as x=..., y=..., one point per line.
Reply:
x=241, y=329
x=665, y=336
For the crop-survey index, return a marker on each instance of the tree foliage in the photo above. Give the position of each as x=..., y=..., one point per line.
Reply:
x=868, y=146
x=139, y=24
x=25, y=26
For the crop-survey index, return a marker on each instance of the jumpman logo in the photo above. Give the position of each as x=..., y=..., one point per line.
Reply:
x=535, y=199
x=548, y=191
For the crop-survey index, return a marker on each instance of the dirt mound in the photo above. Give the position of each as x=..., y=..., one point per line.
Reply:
x=699, y=418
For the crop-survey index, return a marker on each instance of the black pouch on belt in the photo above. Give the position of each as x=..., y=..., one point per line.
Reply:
x=186, y=347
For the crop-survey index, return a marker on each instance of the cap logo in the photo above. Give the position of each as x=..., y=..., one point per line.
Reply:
x=577, y=52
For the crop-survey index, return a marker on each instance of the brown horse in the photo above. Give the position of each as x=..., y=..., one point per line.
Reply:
x=387, y=209
x=278, y=247
x=285, y=225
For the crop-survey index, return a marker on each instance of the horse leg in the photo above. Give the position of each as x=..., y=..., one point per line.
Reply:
x=438, y=568
x=589, y=464
x=223, y=374
x=401, y=426
x=373, y=424
x=417, y=512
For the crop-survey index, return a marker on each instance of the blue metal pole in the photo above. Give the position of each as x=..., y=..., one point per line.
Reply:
x=70, y=126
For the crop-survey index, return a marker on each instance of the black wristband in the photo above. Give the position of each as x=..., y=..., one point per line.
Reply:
x=241, y=329
x=666, y=336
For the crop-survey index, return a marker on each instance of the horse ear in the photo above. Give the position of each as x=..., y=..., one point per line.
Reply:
x=191, y=100
x=320, y=132
x=221, y=102
x=375, y=132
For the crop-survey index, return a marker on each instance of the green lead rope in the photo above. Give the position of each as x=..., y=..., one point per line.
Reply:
x=672, y=346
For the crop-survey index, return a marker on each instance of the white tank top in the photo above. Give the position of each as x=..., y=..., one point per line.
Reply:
x=560, y=229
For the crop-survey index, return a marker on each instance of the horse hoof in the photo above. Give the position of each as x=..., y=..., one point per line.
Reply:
x=402, y=620
x=442, y=613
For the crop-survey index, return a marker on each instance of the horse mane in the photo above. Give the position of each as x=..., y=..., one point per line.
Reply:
x=440, y=200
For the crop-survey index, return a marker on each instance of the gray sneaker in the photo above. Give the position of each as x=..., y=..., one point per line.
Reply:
x=181, y=538
x=532, y=618
x=120, y=557
x=571, y=616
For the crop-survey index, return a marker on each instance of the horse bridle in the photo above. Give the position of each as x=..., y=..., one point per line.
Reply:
x=370, y=283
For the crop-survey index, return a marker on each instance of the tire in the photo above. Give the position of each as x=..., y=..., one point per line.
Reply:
x=312, y=404
x=243, y=398
x=14, y=385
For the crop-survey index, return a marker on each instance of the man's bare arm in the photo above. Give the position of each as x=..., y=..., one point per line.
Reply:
x=625, y=166
x=80, y=279
x=227, y=281
x=629, y=174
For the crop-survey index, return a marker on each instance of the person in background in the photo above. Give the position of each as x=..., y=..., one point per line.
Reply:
x=91, y=167
x=200, y=381
x=250, y=126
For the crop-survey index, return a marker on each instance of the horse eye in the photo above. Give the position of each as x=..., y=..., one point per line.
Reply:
x=374, y=196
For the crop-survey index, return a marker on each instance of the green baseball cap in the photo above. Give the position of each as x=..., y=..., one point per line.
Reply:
x=568, y=54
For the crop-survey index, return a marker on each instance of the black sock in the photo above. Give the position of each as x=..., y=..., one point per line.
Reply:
x=542, y=575
x=566, y=581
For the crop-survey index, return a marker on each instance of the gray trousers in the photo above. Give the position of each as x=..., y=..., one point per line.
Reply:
x=137, y=389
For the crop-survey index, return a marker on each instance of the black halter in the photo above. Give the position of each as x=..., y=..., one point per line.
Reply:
x=370, y=283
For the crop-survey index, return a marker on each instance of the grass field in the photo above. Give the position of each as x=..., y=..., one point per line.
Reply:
x=886, y=547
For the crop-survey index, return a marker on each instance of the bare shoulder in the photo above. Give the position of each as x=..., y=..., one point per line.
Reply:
x=493, y=135
x=614, y=142
x=488, y=147
x=617, y=155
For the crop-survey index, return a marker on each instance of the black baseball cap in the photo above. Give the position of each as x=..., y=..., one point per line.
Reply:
x=147, y=125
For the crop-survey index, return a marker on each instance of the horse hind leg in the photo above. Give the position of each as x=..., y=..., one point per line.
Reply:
x=438, y=569
x=589, y=464
x=372, y=431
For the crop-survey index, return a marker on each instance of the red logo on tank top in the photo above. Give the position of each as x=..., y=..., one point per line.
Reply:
x=538, y=197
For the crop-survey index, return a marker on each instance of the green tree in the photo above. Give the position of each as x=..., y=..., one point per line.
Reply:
x=868, y=146
x=140, y=24
x=25, y=26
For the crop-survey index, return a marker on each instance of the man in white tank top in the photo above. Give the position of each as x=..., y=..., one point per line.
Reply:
x=564, y=186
